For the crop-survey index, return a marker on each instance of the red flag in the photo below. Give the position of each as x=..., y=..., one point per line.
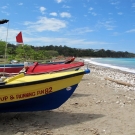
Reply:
x=19, y=38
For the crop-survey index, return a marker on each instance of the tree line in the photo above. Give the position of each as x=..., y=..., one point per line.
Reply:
x=20, y=52
x=68, y=51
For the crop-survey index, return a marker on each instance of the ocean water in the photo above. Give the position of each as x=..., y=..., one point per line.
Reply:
x=124, y=64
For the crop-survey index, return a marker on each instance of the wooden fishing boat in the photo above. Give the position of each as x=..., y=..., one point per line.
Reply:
x=11, y=68
x=22, y=93
x=67, y=61
x=7, y=69
x=39, y=68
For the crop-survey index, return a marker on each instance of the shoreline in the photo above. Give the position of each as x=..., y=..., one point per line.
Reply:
x=111, y=73
x=121, y=68
x=97, y=107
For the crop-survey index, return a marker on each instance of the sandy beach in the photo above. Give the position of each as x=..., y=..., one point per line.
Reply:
x=97, y=107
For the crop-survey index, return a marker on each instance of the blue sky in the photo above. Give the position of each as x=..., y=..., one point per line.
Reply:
x=86, y=24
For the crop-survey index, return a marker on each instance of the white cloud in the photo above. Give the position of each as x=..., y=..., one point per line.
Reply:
x=78, y=43
x=53, y=14
x=65, y=14
x=42, y=9
x=5, y=13
x=131, y=31
x=59, y=1
x=116, y=33
x=133, y=5
x=46, y=24
x=90, y=8
x=115, y=3
x=108, y=25
x=20, y=4
x=4, y=7
x=94, y=14
x=110, y=13
x=120, y=13
x=64, y=6
x=80, y=31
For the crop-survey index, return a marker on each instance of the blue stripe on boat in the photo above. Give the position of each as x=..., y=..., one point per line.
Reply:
x=12, y=65
x=45, y=102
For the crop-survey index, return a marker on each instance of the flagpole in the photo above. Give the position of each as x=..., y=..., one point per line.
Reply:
x=2, y=22
x=7, y=21
x=19, y=39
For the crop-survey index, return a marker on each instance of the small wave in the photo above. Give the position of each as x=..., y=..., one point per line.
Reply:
x=110, y=66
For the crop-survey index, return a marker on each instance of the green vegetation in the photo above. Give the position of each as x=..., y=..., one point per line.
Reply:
x=67, y=51
x=25, y=52
x=29, y=52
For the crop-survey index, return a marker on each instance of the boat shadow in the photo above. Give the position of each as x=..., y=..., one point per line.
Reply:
x=44, y=120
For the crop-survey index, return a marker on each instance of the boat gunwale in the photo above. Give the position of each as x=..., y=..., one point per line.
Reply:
x=41, y=81
x=59, y=70
x=12, y=67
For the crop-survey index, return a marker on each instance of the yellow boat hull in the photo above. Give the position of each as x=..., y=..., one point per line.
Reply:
x=38, y=92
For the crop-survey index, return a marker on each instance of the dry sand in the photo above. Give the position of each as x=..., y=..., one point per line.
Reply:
x=97, y=107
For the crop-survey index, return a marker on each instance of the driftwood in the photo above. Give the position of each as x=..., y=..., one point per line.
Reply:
x=119, y=82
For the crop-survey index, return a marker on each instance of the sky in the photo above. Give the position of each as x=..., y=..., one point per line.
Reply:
x=83, y=24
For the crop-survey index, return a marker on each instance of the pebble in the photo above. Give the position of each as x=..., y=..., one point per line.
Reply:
x=102, y=73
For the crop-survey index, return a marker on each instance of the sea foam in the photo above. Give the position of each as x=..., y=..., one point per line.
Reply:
x=110, y=66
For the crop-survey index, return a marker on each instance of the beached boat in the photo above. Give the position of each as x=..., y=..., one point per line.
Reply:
x=22, y=93
x=39, y=68
x=67, y=61
x=7, y=69
x=11, y=68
